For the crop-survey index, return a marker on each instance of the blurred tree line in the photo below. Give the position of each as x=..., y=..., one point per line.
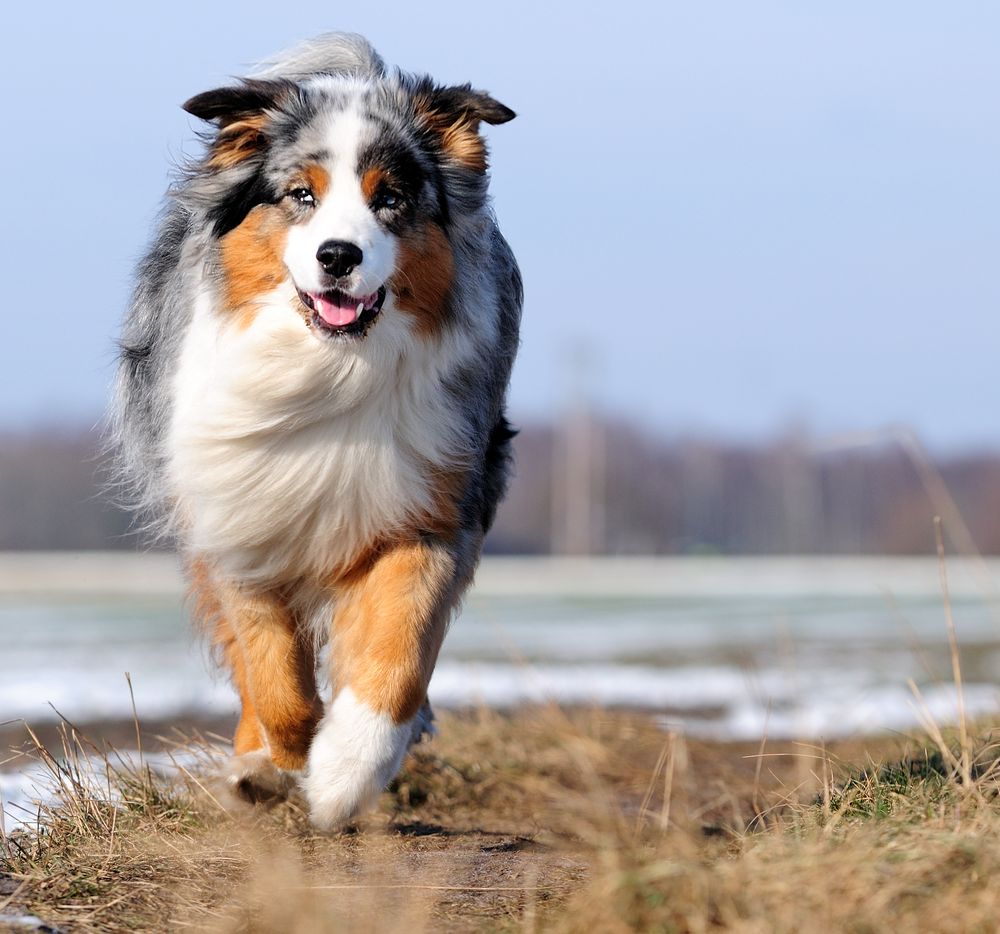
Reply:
x=600, y=486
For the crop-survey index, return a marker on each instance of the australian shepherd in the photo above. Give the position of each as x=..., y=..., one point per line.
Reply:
x=310, y=399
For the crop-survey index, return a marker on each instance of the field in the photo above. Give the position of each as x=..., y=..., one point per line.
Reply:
x=538, y=819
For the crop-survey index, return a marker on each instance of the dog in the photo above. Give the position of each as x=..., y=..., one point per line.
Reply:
x=310, y=400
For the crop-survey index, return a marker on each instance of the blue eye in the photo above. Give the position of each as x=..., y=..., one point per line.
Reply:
x=302, y=195
x=387, y=199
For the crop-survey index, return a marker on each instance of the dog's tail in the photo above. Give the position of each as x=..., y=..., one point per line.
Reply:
x=333, y=53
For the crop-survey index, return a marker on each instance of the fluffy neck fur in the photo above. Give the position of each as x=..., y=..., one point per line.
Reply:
x=288, y=456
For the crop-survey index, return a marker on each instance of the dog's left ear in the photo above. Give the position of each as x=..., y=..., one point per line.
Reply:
x=240, y=113
x=454, y=115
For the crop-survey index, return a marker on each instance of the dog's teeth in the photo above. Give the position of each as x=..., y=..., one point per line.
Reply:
x=361, y=307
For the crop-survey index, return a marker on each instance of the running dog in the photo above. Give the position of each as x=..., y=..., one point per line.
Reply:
x=310, y=400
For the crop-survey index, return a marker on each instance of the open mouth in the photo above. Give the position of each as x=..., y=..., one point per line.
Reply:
x=337, y=312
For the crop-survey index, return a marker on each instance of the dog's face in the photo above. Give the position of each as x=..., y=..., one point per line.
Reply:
x=346, y=191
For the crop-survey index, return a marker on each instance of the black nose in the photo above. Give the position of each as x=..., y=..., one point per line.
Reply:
x=338, y=257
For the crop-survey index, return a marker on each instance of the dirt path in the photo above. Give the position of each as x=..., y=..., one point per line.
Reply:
x=501, y=822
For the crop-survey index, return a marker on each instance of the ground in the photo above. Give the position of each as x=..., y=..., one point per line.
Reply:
x=537, y=819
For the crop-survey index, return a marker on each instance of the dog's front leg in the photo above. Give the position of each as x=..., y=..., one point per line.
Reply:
x=387, y=631
x=273, y=669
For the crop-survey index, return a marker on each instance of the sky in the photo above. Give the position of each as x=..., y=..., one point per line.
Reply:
x=732, y=218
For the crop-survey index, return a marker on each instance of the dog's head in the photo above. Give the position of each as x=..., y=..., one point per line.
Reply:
x=347, y=189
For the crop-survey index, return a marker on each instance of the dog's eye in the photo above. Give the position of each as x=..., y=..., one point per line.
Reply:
x=386, y=198
x=302, y=195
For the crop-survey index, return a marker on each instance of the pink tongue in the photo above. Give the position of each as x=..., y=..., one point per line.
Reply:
x=333, y=314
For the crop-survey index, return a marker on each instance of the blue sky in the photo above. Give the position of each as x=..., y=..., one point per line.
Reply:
x=740, y=215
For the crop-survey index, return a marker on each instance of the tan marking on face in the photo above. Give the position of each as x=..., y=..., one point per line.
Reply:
x=425, y=269
x=371, y=181
x=317, y=180
x=238, y=141
x=389, y=627
x=251, y=257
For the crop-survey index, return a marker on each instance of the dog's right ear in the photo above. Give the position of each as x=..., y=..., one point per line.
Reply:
x=241, y=114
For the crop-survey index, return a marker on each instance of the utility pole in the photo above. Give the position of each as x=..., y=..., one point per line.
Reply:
x=578, y=468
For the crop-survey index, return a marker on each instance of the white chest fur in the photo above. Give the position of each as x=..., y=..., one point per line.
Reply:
x=288, y=455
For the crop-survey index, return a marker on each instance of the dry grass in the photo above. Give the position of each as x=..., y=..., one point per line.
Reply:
x=537, y=820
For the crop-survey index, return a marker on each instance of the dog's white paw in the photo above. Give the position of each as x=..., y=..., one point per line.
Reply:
x=355, y=753
x=253, y=778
